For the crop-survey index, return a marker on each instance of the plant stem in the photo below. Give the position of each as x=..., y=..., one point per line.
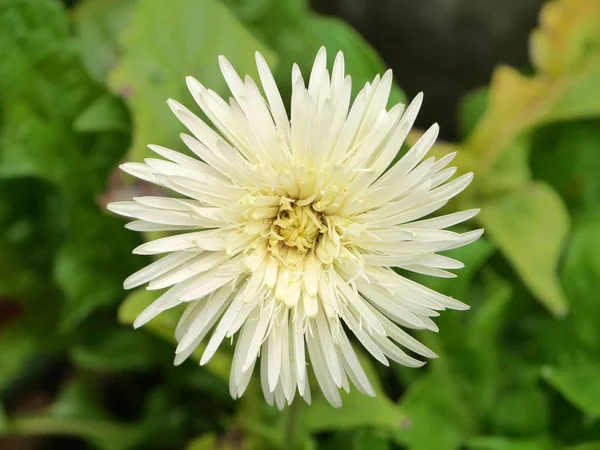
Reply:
x=292, y=436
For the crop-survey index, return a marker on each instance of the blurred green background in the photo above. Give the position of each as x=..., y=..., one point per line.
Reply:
x=83, y=86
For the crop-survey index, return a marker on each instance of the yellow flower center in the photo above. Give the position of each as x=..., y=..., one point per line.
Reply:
x=296, y=227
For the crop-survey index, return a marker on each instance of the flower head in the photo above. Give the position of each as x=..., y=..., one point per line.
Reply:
x=288, y=229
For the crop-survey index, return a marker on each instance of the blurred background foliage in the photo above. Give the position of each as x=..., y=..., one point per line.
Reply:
x=83, y=86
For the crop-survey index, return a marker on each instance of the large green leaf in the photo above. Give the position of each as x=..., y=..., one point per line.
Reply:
x=575, y=340
x=530, y=228
x=163, y=43
x=579, y=385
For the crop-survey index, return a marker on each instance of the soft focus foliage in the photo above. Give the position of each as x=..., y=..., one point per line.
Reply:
x=82, y=89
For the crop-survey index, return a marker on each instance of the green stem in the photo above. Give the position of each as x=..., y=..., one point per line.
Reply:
x=292, y=433
x=59, y=426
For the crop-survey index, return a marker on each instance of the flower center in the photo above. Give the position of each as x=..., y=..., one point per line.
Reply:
x=297, y=227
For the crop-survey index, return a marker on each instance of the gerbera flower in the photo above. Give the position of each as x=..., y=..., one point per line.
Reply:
x=289, y=227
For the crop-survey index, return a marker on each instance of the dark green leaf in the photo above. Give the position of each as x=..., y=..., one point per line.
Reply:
x=106, y=114
x=17, y=347
x=115, y=349
x=3, y=420
x=575, y=340
x=566, y=155
x=89, y=270
x=369, y=438
x=76, y=412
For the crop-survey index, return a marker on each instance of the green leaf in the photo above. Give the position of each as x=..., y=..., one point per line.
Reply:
x=51, y=114
x=518, y=104
x=115, y=349
x=445, y=405
x=105, y=114
x=488, y=318
x=369, y=438
x=470, y=110
x=97, y=25
x=575, y=340
x=357, y=410
x=78, y=399
x=3, y=419
x=586, y=446
x=579, y=385
x=503, y=443
x=165, y=42
x=76, y=412
x=521, y=410
x=530, y=228
x=17, y=348
x=91, y=274
x=164, y=326
x=437, y=416
x=357, y=439
x=208, y=441
x=43, y=88
x=510, y=173
x=566, y=156
x=579, y=276
x=568, y=37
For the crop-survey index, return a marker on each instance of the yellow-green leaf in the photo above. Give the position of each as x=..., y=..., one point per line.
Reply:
x=530, y=227
x=567, y=37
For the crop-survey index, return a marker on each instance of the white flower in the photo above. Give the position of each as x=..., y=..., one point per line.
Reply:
x=291, y=225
